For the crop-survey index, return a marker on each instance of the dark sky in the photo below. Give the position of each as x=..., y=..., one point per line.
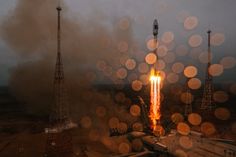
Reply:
x=218, y=15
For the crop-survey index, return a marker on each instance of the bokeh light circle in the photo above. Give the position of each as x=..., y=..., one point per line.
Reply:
x=130, y=64
x=185, y=142
x=194, y=119
x=228, y=62
x=222, y=113
x=208, y=128
x=135, y=110
x=190, y=71
x=178, y=67
x=190, y=22
x=167, y=37
x=137, y=85
x=177, y=117
x=183, y=128
x=194, y=83
x=220, y=96
x=216, y=70
x=195, y=40
x=150, y=58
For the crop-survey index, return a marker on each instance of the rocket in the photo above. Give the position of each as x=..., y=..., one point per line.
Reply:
x=155, y=28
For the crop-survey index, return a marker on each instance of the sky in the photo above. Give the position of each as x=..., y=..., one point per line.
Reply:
x=217, y=15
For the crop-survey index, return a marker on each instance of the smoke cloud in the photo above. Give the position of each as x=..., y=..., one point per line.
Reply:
x=31, y=32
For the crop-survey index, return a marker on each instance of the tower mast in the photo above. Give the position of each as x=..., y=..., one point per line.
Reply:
x=59, y=141
x=207, y=100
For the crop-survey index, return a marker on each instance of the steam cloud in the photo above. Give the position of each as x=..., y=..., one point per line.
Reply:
x=31, y=32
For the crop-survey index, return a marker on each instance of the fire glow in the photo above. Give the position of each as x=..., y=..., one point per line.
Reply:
x=155, y=99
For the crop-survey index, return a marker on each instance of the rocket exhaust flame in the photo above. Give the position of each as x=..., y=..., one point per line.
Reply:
x=155, y=99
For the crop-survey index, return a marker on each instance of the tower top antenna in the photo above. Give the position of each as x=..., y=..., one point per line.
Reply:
x=59, y=6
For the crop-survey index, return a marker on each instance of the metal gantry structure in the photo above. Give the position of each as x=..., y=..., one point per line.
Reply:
x=59, y=140
x=207, y=98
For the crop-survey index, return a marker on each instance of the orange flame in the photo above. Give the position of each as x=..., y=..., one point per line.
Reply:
x=155, y=99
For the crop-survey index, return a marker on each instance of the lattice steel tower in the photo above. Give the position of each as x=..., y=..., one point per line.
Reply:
x=59, y=141
x=207, y=99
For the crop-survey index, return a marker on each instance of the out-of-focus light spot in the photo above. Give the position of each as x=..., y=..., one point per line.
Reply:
x=137, y=145
x=183, y=128
x=194, y=119
x=123, y=46
x=130, y=64
x=208, y=128
x=162, y=51
x=220, y=96
x=143, y=68
x=233, y=89
x=180, y=153
x=124, y=24
x=190, y=22
x=216, y=69
x=94, y=135
x=135, y=110
x=121, y=73
x=186, y=97
x=194, y=83
x=162, y=74
x=137, y=85
x=182, y=50
x=144, y=79
x=100, y=111
x=113, y=122
x=167, y=37
x=217, y=39
x=178, y=67
x=160, y=64
x=172, y=78
x=228, y=62
x=190, y=71
x=152, y=44
x=101, y=65
x=122, y=128
x=132, y=77
x=203, y=57
x=195, y=40
x=222, y=113
x=86, y=122
x=169, y=58
x=150, y=58
x=185, y=142
x=137, y=126
x=159, y=131
x=177, y=118
x=124, y=148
